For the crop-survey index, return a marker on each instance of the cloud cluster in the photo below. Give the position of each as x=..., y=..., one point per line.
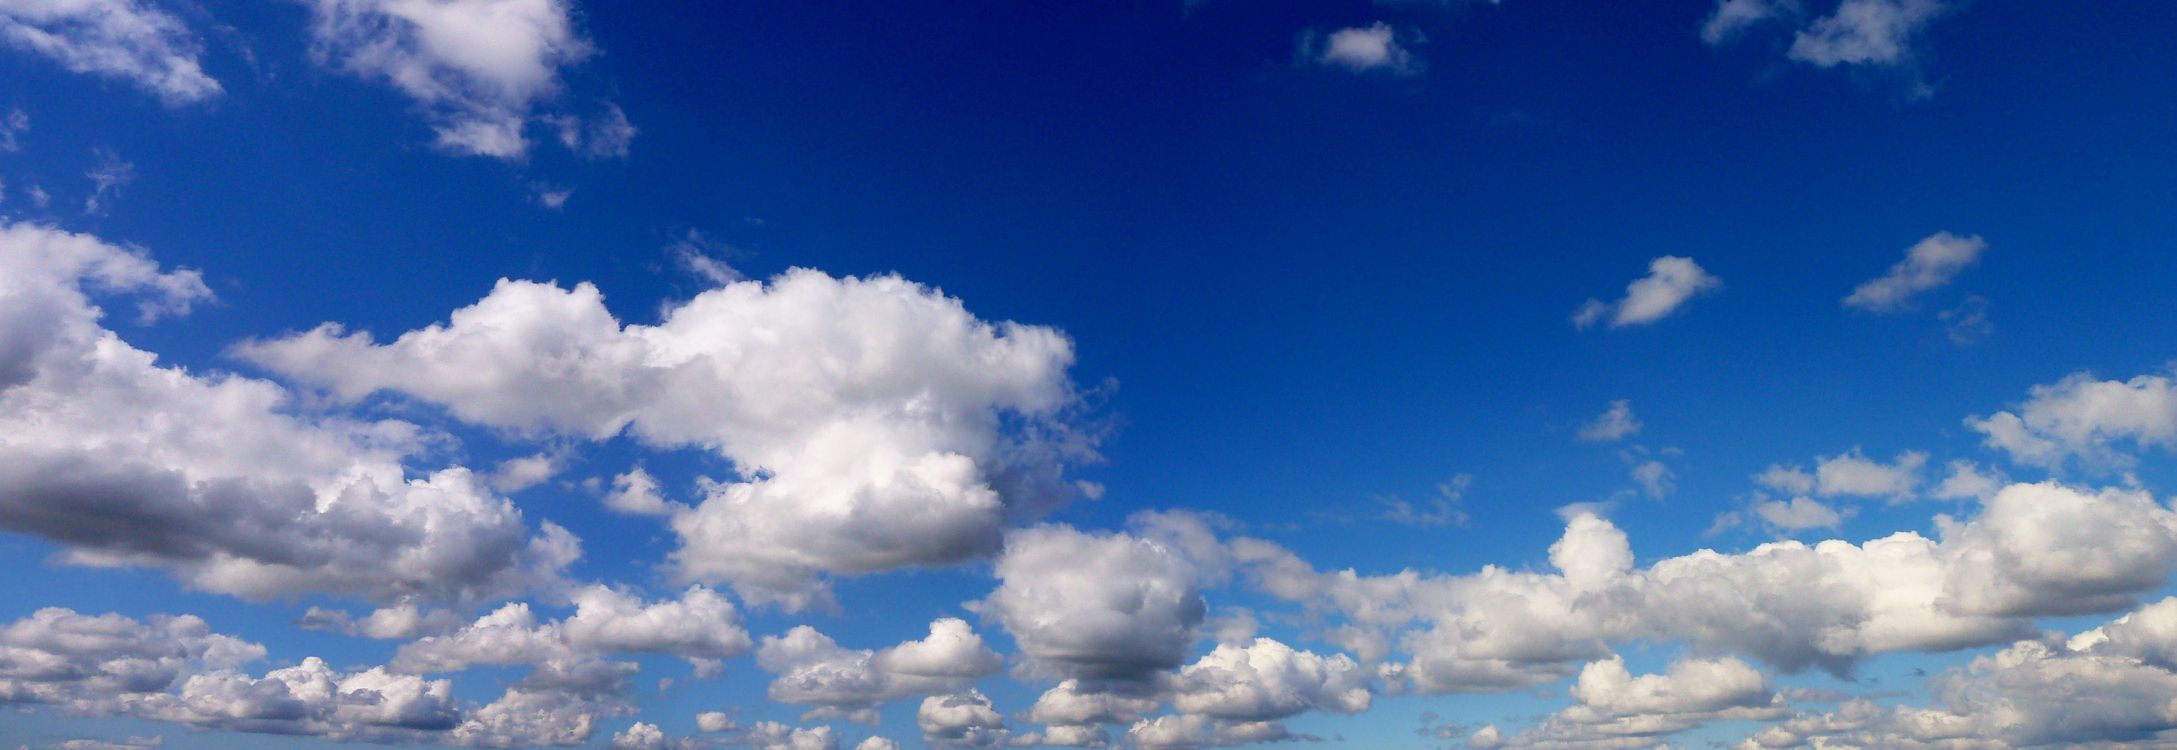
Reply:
x=127, y=40
x=874, y=423
x=217, y=478
x=2034, y=550
x=701, y=626
x=1614, y=709
x=1856, y=32
x=1099, y=606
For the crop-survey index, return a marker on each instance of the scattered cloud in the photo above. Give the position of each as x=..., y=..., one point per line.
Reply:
x=1670, y=282
x=2087, y=419
x=124, y=40
x=1614, y=424
x=1362, y=49
x=1928, y=264
x=107, y=178
x=475, y=67
x=1968, y=323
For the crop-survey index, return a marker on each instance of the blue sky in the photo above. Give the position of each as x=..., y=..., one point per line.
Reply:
x=1230, y=365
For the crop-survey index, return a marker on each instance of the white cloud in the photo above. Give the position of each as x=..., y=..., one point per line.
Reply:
x=849, y=684
x=1798, y=514
x=1615, y=709
x=874, y=423
x=1185, y=732
x=2035, y=550
x=961, y=720
x=12, y=128
x=2085, y=418
x=1866, y=32
x=1856, y=475
x=1968, y=480
x=1733, y=17
x=1615, y=423
x=635, y=492
x=2106, y=687
x=475, y=67
x=606, y=136
x=1655, y=479
x=1111, y=606
x=124, y=462
x=1268, y=680
x=1361, y=49
x=701, y=626
x=127, y=40
x=1931, y=263
x=1671, y=280
x=107, y=178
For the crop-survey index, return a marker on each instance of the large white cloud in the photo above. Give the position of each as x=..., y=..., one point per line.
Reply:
x=700, y=626
x=1614, y=708
x=128, y=40
x=1268, y=680
x=220, y=479
x=874, y=423
x=476, y=67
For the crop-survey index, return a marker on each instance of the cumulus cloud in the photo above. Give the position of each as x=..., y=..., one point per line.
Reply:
x=1615, y=709
x=124, y=462
x=2085, y=418
x=1184, y=732
x=814, y=670
x=1929, y=264
x=961, y=720
x=2105, y=687
x=475, y=67
x=1671, y=280
x=701, y=626
x=1615, y=423
x=2035, y=550
x=1268, y=680
x=175, y=669
x=874, y=423
x=1361, y=49
x=125, y=40
x=1108, y=606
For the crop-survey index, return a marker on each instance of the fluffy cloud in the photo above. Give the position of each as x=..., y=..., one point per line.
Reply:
x=476, y=67
x=1360, y=49
x=1615, y=709
x=2081, y=417
x=1615, y=423
x=2035, y=550
x=1112, y=606
x=874, y=423
x=1857, y=32
x=961, y=720
x=127, y=40
x=174, y=669
x=1671, y=280
x=843, y=683
x=1183, y=732
x=1929, y=264
x=2108, y=686
x=1269, y=680
x=212, y=477
x=700, y=626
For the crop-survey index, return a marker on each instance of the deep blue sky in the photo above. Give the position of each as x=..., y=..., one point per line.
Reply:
x=1299, y=288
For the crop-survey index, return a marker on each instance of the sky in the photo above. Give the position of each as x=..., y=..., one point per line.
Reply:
x=1407, y=374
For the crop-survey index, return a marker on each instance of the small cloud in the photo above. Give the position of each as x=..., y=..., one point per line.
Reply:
x=1442, y=510
x=1968, y=323
x=1928, y=264
x=1799, y=514
x=107, y=179
x=1361, y=49
x=550, y=196
x=698, y=254
x=606, y=136
x=1656, y=480
x=11, y=128
x=1615, y=423
x=1671, y=280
